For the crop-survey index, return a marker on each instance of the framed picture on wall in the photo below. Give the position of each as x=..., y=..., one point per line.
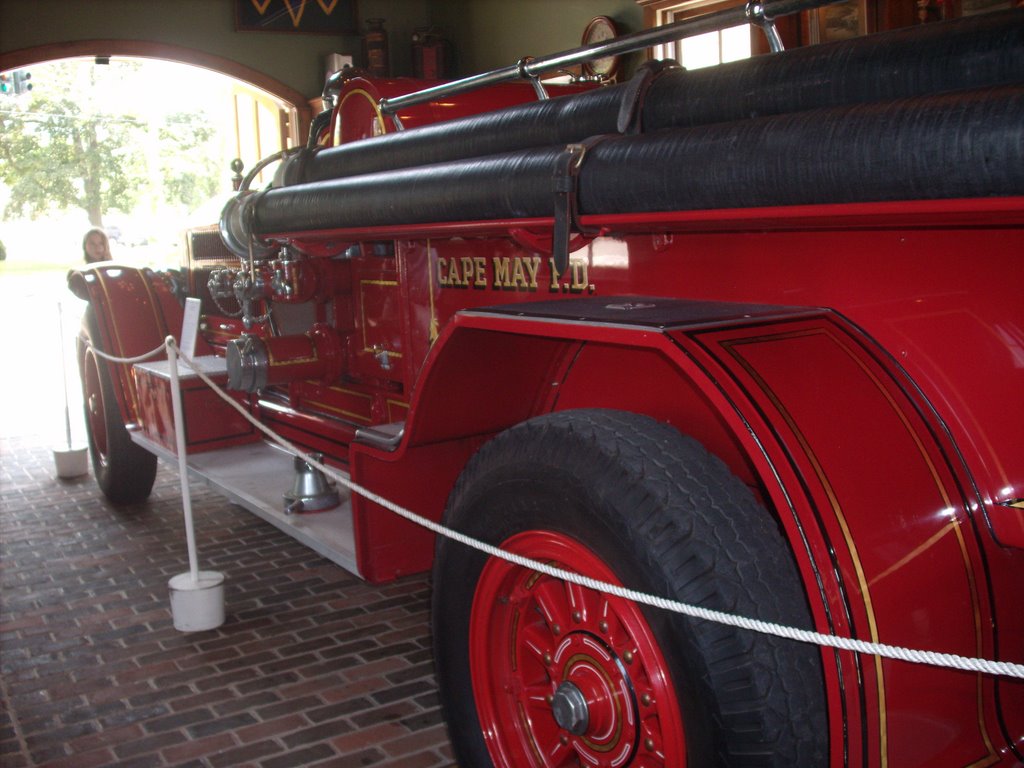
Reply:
x=839, y=22
x=326, y=17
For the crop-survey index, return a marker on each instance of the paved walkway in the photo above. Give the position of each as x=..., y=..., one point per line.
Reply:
x=312, y=667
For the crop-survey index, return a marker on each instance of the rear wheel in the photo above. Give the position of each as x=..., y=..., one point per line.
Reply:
x=538, y=672
x=124, y=471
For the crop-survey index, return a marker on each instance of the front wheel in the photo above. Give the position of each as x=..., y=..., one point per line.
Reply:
x=538, y=672
x=124, y=471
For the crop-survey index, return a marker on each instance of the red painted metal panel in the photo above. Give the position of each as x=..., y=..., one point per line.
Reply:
x=897, y=520
x=129, y=319
x=900, y=487
x=360, y=116
x=209, y=422
x=419, y=479
x=940, y=298
x=379, y=347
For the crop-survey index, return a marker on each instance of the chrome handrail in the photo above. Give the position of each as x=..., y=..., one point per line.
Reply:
x=761, y=14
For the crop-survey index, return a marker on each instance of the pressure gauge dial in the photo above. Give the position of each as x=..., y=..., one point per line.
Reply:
x=600, y=30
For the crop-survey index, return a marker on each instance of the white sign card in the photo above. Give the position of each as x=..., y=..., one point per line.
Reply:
x=190, y=327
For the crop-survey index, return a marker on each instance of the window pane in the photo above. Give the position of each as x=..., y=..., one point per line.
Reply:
x=736, y=43
x=699, y=51
x=715, y=47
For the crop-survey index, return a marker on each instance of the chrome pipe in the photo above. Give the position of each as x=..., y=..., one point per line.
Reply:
x=759, y=13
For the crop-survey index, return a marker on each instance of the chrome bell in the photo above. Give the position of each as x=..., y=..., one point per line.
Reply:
x=311, y=491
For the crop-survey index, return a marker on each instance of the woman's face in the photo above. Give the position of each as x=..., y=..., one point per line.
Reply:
x=96, y=248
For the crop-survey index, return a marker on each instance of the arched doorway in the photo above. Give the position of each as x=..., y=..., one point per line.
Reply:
x=296, y=103
x=261, y=114
x=33, y=280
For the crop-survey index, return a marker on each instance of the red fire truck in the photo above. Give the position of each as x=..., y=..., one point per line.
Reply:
x=749, y=338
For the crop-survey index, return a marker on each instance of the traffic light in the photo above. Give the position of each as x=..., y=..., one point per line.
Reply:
x=21, y=81
x=15, y=83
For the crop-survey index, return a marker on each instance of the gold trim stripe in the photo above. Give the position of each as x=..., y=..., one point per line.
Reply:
x=342, y=411
x=819, y=471
x=362, y=314
x=373, y=103
x=955, y=524
x=435, y=326
x=350, y=392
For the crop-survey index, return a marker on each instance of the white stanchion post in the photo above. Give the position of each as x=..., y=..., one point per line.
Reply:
x=179, y=439
x=197, y=597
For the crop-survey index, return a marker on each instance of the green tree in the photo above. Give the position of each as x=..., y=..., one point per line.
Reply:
x=89, y=137
x=58, y=153
x=191, y=175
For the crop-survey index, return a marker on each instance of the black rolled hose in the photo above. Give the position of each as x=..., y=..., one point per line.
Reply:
x=973, y=52
x=967, y=144
x=534, y=124
x=946, y=146
x=514, y=185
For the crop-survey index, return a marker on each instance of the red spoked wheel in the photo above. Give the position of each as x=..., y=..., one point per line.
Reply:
x=565, y=675
x=540, y=673
x=124, y=471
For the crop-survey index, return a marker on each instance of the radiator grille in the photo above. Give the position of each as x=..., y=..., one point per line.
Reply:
x=203, y=245
x=204, y=252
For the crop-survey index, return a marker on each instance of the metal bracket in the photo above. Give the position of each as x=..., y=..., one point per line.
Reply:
x=566, y=215
x=538, y=87
x=760, y=12
x=757, y=16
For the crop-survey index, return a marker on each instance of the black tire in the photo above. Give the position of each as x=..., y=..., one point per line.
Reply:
x=665, y=517
x=124, y=471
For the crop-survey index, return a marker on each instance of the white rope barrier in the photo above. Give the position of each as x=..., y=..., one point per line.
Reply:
x=947, y=660
x=138, y=359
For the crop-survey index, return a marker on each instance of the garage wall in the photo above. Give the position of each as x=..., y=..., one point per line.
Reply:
x=297, y=60
x=495, y=33
x=487, y=33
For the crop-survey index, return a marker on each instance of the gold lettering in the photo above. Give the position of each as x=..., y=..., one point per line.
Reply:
x=515, y=273
x=579, y=276
x=501, y=274
x=532, y=265
x=518, y=275
x=554, y=276
x=467, y=271
x=454, y=278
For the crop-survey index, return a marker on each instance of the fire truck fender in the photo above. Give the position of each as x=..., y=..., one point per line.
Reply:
x=128, y=315
x=131, y=312
x=804, y=408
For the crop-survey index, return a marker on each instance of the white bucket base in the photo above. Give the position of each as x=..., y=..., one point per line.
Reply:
x=71, y=462
x=197, y=605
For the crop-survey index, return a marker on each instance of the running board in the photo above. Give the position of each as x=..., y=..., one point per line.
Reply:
x=256, y=476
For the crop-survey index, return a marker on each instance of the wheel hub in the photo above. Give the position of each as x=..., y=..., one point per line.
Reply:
x=582, y=680
x=594, y=701
x=569, y=707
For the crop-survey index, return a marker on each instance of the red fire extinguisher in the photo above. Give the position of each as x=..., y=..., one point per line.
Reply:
x=430, y=54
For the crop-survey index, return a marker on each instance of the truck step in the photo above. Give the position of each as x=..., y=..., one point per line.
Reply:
x=256, y=476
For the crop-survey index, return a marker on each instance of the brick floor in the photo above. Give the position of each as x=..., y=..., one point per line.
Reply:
x=313, y=667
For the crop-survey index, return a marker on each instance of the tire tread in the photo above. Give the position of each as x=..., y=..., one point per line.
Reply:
x=696, y=523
